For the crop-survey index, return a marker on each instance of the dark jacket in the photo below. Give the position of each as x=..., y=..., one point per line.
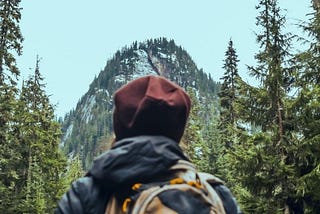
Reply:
x=131, y=160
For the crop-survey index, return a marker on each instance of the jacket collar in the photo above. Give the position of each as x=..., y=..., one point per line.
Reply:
x=136, y=159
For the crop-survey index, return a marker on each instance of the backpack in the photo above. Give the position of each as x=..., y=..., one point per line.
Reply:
x=188, y=193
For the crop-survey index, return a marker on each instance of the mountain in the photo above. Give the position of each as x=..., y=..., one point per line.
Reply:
x=87, y=130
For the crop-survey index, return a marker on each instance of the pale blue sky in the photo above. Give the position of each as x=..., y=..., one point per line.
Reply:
x=75, y=38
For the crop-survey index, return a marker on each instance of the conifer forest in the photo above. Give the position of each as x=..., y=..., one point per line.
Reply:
x=263, y=140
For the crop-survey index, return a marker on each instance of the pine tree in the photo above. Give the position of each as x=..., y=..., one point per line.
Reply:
x=39, y=134
x=34, y=201
x=228, y=120
x=10, y=39
x=264, y=163
x=306, y=107
x=228, y=95
x=192, y=142
x=213, y=139
x=10, y=157
x=74, y=172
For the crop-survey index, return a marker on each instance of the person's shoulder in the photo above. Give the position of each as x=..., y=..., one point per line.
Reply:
x=92, y=193
x=84, y=184
x=84, y=196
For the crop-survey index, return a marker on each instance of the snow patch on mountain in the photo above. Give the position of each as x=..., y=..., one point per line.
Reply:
x=102, y=91
x=142, y=67
x=87, y=108
x=66, y=135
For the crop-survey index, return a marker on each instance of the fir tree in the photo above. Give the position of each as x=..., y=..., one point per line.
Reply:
x=228, y=119
x=213, y=139
x=10, y=39
x=264, y=163
x=192, y=142
x=74, y=171
x=306, y=108
x=39, y=135
x=228, y=95
x=10, y=157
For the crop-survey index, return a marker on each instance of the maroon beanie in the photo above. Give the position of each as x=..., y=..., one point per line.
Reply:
x=150, y=105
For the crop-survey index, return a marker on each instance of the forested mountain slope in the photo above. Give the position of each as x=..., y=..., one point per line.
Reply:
x=88, y=128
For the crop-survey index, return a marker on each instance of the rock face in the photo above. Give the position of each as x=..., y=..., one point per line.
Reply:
x=87, y=130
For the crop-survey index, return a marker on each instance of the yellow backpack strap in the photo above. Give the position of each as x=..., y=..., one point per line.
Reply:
x=196, y=184
x=126, y=204
x=176, y=181
x=136, y=186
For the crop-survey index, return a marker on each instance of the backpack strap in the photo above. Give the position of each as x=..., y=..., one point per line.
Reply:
x=183, y=165
x=206, y=180
x=211, y=179
x=203, y=176
x=185, y=175
x=229, y=202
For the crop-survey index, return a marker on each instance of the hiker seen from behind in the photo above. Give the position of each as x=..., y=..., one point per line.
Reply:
x=146, y=171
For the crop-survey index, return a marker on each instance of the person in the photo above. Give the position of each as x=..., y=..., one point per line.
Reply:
x=149, y=119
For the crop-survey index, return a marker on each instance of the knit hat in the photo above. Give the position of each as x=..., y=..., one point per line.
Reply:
x=150, y=105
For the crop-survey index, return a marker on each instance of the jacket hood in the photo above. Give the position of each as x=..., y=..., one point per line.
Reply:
x=136, y=159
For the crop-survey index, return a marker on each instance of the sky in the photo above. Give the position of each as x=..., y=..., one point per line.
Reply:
x=75, y=38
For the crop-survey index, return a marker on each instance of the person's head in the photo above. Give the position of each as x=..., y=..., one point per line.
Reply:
x=150, y=105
